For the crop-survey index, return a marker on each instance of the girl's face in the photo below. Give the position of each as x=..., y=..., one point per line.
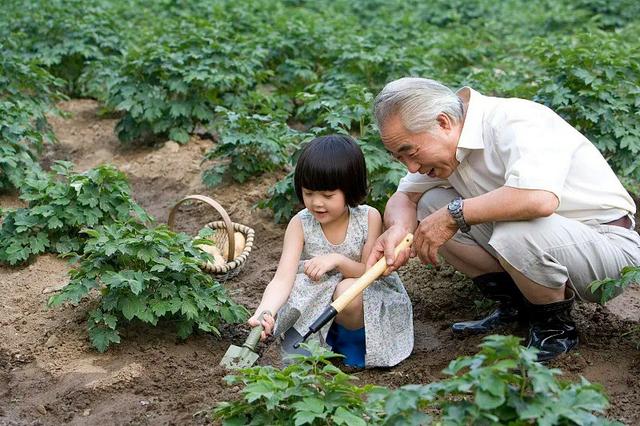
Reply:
x=325, y=206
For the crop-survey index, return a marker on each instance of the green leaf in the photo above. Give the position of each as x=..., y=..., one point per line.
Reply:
x=160, y=307
x=131, y=307
x=189, y=309
x=488, y=401
x=110, y=320
x=179, y=135
x=344, y=417
x=311, y=404
x=184, y=328
x=305, y=417
x=101, y=338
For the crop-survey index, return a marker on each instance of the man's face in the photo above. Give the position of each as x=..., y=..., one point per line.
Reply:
x=432, y=153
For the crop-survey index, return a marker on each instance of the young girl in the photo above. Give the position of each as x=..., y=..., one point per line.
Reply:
x=325, y=248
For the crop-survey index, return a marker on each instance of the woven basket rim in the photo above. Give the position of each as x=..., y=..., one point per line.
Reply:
x=240, y=260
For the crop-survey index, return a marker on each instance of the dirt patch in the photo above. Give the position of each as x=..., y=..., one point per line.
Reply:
x=49, y=374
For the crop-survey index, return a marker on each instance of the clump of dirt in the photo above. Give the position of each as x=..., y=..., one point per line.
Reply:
x=50, y=374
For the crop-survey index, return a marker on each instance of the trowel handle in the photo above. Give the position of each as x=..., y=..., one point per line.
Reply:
x=369, y=276
x=254, y=335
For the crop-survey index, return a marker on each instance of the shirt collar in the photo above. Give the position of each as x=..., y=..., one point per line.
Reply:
x=471, y=136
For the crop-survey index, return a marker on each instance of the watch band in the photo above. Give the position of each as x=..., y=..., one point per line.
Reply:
x=455, y=210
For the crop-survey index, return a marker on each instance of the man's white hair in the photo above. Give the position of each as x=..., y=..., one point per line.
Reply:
x=418, y=101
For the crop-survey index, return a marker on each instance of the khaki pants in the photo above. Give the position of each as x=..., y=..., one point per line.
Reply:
x=552, y=250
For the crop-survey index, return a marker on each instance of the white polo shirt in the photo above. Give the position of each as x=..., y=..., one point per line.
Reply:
x=521, y=144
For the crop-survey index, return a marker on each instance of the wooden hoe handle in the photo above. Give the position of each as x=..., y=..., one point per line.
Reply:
x=369, y=276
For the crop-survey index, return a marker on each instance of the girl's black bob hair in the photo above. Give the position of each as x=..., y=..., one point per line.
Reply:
x=332, y=162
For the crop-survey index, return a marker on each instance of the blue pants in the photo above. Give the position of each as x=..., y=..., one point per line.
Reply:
x=350, y=343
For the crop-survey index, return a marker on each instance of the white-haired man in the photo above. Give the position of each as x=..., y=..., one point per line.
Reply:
x=509, y=194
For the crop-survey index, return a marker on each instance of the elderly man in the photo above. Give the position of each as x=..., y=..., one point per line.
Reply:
x=509, y=194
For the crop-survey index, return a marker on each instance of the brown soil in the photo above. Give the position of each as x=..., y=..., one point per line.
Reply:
x=49, y=373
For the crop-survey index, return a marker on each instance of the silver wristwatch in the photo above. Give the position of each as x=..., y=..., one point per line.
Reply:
x=455, y=210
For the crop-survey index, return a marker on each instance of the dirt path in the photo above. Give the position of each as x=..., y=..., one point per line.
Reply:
x=49, y=374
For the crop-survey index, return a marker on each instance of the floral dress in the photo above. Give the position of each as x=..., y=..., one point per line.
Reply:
x=388, y=316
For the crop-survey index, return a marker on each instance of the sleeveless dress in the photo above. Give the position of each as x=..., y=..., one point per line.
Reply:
x=388, y=315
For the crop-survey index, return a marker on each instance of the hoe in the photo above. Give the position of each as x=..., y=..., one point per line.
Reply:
x=356, y=288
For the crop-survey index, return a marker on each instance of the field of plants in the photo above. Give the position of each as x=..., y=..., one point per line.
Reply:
x=111, y=111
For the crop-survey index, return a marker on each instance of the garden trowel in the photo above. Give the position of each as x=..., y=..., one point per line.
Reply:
x=238, y=357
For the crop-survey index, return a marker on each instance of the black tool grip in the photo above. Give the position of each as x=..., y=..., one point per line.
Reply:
x=326, y=316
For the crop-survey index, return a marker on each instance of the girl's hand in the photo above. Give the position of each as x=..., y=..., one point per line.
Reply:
x=267, y=323
x=320, y=265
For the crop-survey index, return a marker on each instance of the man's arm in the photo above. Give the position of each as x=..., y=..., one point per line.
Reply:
x=507, y=204
x=401, y=211
x=500, y=205
x=400, y=218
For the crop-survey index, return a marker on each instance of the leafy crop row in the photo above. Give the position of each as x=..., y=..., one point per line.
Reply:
x=60, y=206
x=261, y=76
x=592, y=81
x=502, y=384
x=26, y=96
x=140, y=272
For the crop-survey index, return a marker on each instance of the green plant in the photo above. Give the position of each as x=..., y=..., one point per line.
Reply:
x=267, y=67
x=67, y=38
x=147, y=274
x=611, y=14
x=309, y=391
x=175, y=79
x=592, y=81
x=335, y=105
x=250, y=145
x=502, y=384
x=20, y=139
x=282, y=199
x=59, y=208
x=383, y=171
x=26, y=94
x=610, y=287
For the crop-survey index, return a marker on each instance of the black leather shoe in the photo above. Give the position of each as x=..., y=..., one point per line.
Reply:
x=552, y=331
x=499, y=287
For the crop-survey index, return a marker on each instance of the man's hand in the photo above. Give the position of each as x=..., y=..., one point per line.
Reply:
x=385, y=245
x=432, y=232
x=320, y=265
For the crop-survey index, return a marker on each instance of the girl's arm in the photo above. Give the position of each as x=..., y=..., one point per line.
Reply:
x=278, y=290
x=317, y=266
x=347, y=267
x=375, y=230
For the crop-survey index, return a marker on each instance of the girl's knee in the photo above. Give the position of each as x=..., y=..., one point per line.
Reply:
x=355, y=307
x=342, y=287
x=353, y=313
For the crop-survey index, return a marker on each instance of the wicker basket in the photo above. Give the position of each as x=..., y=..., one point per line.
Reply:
x=223, y=233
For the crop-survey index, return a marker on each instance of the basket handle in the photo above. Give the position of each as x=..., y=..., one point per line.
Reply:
x=211, y=202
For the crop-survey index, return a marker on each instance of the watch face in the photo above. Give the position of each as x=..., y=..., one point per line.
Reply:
x=456, y=204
